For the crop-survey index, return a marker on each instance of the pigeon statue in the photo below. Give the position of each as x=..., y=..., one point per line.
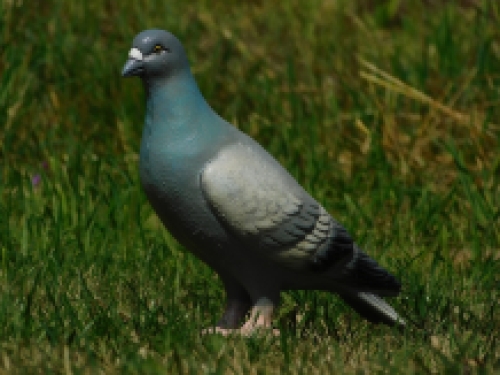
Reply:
x=229, y=202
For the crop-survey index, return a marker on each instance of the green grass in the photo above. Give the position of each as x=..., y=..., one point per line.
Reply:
x=389, y=115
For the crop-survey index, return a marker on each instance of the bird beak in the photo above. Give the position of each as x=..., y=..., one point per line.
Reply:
x=132, y=68
x=134, y=65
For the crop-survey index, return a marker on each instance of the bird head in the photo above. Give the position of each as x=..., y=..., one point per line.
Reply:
x=155, y=54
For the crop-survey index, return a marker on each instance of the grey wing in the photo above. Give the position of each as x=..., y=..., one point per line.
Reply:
x=261, y=204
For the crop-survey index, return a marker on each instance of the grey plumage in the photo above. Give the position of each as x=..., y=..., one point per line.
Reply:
x=235, y=207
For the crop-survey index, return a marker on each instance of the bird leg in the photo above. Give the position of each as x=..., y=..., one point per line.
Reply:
x=260, y=319
x=237, y=306
x=239, y=302
x=235, y=311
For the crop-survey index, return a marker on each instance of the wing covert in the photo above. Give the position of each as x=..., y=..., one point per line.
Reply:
x=259, y=202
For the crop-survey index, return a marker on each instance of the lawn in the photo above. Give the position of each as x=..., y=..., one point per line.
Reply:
x=388, y=114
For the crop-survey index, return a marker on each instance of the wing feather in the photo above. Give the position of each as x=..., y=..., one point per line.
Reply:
x=260, y=203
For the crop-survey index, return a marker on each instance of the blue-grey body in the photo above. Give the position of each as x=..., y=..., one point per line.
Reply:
x=224, y=198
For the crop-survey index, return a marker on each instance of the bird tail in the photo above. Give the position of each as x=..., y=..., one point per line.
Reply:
x=363, y=274
x=373, y=308
x=363, y=282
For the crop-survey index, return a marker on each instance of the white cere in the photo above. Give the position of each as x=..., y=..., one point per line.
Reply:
x=135, y=54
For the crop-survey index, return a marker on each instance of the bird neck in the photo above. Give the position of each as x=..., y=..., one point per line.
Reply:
x=175, y=106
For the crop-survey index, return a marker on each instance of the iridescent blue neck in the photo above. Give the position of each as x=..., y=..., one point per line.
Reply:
x=175, y=107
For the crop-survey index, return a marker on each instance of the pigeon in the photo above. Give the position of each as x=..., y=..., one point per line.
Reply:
x=228, y=201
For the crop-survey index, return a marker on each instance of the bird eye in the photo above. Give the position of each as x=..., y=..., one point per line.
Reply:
x=158, y=48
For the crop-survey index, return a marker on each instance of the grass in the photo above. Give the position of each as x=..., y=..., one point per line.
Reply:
x=388, y=114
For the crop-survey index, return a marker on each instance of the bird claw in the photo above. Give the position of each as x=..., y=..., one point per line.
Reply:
x=243, y=331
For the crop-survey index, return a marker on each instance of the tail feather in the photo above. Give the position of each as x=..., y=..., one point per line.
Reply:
x=365, y=274
x=373, y=308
